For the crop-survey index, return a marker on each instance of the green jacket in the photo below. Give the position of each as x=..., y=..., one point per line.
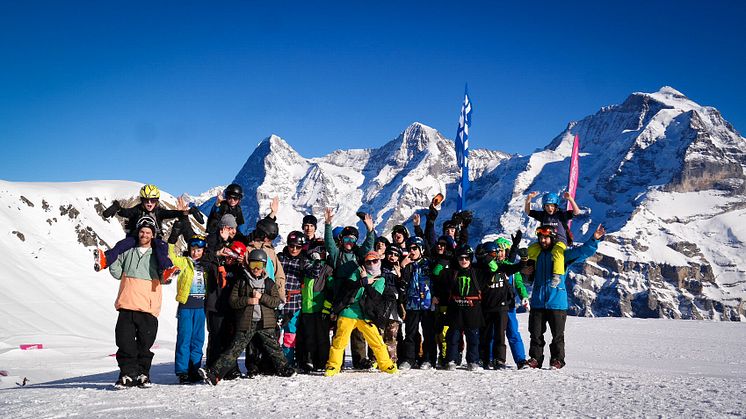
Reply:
x=135, y=265
x=518, y=283
x=314, y=287
x=345, y=263
x=353, y=311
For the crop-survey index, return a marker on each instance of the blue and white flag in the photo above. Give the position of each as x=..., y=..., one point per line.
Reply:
x=462, y=149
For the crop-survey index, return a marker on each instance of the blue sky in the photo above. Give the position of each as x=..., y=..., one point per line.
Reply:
x=178, y=93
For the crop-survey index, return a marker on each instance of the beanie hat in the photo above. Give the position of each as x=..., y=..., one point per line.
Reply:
x=228, y=220
x=310, y=219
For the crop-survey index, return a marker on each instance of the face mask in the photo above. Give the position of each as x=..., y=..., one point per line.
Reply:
x=373, y=270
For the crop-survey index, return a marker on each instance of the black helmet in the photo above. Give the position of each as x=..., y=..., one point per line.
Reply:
x=400, y=229
x=464, y=250
x=480, y=251
x=147, y=221
x=234, y=190
x=449, y=224
x=350, y=231
x=268, y=227
x=257, y=255
x=296, y=238
x=396, y=250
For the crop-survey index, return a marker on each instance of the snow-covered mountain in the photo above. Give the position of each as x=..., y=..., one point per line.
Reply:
x=664, y=174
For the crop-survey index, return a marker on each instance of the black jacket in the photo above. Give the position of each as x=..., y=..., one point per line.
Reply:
x=217, y=212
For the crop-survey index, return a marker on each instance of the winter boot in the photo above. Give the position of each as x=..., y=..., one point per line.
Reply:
x=143, y=381
x=123, y=382
x=451, y=366
x=391, y=370
x=556, y=364
x=184, y=378
x=99, y=259
x=426, y=366
x=531, y=362
x=286, y=371
x=522, y=365
x=473, y=366
x=209, y=376
x=405, y=365
x=331, y=372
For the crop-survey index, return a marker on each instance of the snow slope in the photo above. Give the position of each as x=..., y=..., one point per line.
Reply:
x=616, y=367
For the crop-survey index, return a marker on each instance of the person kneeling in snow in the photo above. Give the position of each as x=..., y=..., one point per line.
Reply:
x=254, y=299
x=139, y=304
x=549, y=295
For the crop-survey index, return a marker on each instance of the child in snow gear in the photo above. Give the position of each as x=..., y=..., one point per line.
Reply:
x=197, y=270
x=312, y=345
x=549, y=299
x=552, y=216
x=292, y=259
x=254, y=299
x=344, y=259
x=230, y=205
x=419, y=308
x=148, y=207
x=464, y=308
x=139, y=304
x=512, y=333
x=351, y=317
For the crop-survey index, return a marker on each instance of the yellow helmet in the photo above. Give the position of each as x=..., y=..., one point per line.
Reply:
x=150, y=192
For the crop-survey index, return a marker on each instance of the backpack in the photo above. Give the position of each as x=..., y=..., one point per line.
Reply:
x=378, y=308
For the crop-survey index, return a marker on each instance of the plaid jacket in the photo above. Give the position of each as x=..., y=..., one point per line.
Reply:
x=293, y=267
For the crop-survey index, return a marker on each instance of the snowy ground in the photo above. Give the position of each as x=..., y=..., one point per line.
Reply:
x=616, y=367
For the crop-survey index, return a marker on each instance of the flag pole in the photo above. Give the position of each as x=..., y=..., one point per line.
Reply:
x=462, y=149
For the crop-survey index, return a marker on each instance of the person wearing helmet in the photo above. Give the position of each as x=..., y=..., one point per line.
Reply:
x=139, y=304
x=265, y=232
x=512, y=333
x=254, y=298
x=497, y=298
x=418, y=307
x=312, y=345
x=345, y=261
x=293, y=259
x=227, y=202
x=464, y=308
x=197, y=270
x=441, y=259
x=220, y=321
x=149, y=206
x=552, y=215
x=549, y=296
x=352, y=316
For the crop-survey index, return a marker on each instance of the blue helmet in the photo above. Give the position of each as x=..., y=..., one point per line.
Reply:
x=416, y=241
x=490, y=247
x=550, y=198
x=336, y=232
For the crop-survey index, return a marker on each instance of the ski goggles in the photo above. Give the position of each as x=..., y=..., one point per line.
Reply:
x=256, y=264
x=198, y=240
x=545, y=231
x=233, y=197
x=349, y=239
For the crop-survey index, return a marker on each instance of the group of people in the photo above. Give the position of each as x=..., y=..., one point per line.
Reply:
x=417, y=300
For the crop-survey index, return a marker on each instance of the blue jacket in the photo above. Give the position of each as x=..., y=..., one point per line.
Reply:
x=543, y=295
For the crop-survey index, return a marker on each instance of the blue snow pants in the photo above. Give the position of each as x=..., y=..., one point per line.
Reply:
x=190, y=337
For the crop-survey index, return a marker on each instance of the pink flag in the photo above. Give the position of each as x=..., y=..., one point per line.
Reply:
x=572, y=183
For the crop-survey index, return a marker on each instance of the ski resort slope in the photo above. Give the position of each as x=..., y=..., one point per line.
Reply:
x=616, y=367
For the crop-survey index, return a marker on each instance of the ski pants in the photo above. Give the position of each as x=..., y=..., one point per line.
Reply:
x=267, y=343
x=492, y=338
x=135, y=335
x=390, y=334
x=537, y=326
x=357, y=344
x=515, y=341
x=345, y=327
x=312, y=345
x=160, y=250
x=412, y=336
x=190, y=337
x=289, y=335
x=453, y=337
x=220, y=328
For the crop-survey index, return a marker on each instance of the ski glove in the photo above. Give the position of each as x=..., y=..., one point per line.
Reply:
x=197, y=214
x=437, y=269
x=112, y=210
x=556, y=279
x=525, y=304
x=492, y=265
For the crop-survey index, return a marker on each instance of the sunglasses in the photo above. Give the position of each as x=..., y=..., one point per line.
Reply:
x=256, y=264
x=464, y=258
x=233, y=197
x=349, y=240
x=441, y=244
x=150, y=200
x=413, y=248
x=294, y=246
